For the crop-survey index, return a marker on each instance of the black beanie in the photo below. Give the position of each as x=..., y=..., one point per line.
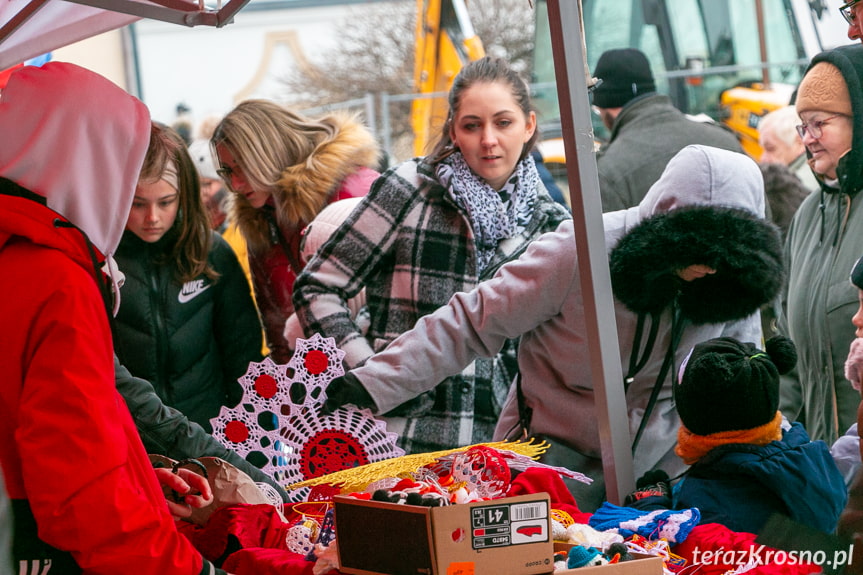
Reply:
x=857, y=274
x=625, y=74
x=727, y=385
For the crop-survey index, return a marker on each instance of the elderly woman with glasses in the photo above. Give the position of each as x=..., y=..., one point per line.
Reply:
x=824, y=240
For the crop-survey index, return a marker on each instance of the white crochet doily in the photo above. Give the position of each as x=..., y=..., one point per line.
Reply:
x=278, y=426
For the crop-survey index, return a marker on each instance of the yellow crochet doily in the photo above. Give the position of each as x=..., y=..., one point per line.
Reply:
x=357, y=478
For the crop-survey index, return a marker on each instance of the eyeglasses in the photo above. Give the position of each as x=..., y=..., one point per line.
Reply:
x=814, y=127
x=848, y=12
x=225, y=173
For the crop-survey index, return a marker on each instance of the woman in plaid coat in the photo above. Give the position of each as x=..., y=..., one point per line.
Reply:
x=429, y=228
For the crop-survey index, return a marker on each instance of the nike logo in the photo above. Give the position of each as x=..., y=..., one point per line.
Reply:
x=192, y=290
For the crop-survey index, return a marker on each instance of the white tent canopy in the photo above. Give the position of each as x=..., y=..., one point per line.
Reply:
x=30, y=28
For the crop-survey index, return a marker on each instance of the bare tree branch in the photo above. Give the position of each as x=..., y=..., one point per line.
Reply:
x=375, y=54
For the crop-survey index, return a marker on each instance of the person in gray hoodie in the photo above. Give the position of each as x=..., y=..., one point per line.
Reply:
x=694, y=260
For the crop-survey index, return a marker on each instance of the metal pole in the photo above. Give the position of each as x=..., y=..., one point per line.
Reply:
x=387, y=126
x=762, y=41
x=570, y=67
x=371, y=116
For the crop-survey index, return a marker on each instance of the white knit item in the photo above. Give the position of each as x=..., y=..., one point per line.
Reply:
x=199, y=150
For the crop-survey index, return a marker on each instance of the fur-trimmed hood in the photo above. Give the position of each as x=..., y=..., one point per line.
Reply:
x=707, y=208
x=304, y=188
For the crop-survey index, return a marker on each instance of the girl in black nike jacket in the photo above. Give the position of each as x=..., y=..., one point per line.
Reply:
x=187, y=321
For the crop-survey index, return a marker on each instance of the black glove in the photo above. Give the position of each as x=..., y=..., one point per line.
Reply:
x=346, y=389
x=652, y=492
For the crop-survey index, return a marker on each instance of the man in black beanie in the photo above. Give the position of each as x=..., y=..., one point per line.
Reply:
x=646, y=129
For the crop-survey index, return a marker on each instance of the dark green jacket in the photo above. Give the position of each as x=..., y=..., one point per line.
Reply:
x=649, y=132
x=166, y=431
x=824, y=240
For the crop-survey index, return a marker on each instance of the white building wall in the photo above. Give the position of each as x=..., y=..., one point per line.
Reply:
x=102, y=54
x=210, y=70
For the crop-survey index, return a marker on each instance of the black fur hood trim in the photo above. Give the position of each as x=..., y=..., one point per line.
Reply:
x=745, y=251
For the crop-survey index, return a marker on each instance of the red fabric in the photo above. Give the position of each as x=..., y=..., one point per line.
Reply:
x=261, y=534
x=256, y=561
x=539, y=480
x=67, y=441
x=4, y=74
x=249, y=525
x=737, y=548
x=258, y=531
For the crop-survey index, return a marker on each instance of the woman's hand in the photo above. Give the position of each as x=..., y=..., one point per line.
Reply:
x=193, y=489
x=344, y=390
x=695, y=272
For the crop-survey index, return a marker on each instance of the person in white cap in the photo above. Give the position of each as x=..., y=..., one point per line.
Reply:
x=213, y=192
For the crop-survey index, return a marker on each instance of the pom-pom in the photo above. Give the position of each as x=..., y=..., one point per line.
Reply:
x=782, y=352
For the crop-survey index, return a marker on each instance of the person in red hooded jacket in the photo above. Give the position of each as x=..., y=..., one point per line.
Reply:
x=84, y=496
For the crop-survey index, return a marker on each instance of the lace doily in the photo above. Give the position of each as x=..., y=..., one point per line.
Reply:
x=278, y=427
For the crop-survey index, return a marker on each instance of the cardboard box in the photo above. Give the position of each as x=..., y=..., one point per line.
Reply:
x=509, y=536
x=641, y=565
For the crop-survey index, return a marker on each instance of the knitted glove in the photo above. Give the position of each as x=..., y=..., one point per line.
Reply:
x=652, y=491
x=854, y=363
x=344, y=390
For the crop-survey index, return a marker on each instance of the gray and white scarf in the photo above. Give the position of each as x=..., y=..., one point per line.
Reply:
x=494, y=215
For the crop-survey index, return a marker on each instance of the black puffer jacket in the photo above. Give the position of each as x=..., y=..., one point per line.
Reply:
x=191, y=341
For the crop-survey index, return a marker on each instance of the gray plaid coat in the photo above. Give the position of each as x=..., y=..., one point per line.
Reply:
x=412, y=248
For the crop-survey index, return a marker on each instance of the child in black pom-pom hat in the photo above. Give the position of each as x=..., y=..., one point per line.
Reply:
x=746, y=461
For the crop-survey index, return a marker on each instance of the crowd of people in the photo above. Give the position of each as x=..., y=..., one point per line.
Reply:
x=451, y=281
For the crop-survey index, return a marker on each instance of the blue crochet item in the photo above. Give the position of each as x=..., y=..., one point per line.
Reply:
x=671, y=524
x=580, y=556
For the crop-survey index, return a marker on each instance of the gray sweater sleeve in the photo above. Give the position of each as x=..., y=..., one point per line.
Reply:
x=166, y=431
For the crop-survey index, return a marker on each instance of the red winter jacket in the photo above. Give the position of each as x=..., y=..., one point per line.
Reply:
x=68, y=447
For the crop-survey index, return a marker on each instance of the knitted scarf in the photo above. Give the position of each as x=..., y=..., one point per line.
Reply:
x=494, y=215
x=692, y=447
